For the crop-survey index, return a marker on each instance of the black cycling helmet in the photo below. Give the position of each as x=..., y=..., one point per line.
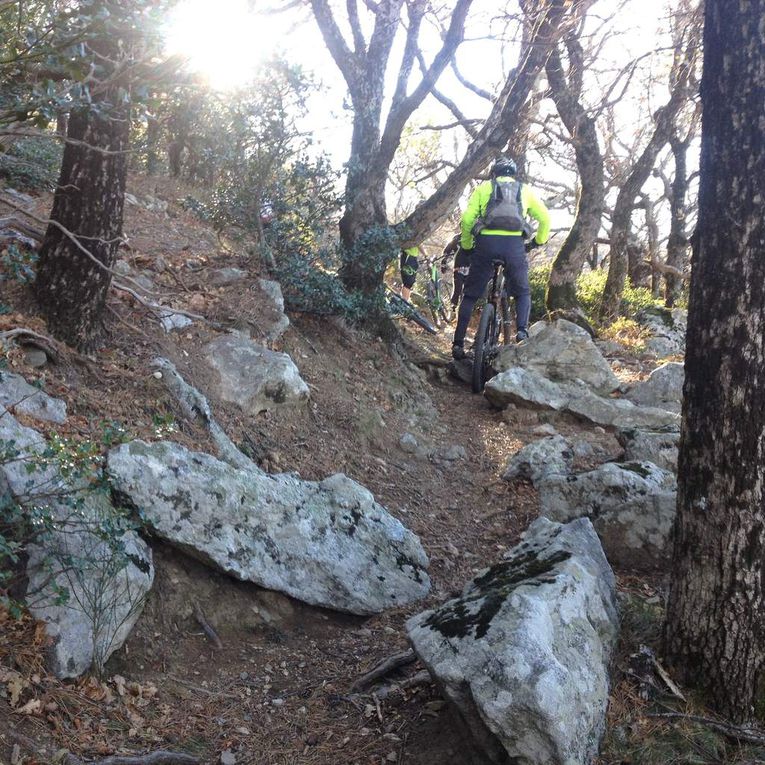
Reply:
x=504, y=166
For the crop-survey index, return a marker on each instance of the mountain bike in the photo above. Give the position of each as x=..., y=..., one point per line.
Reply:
x=397, y=306
x=494, y=321
x=440, y=307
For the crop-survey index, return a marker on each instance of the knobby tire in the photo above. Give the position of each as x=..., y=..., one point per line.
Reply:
x=484, y=337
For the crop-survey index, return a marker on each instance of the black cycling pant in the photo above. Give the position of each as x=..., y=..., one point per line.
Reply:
x=409, y=266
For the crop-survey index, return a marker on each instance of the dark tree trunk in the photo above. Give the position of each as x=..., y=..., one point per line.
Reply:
x=62, y=123
x=568, y=263
x=677, y=244
x=71, y=289
x=153, y=132
x=714, y=632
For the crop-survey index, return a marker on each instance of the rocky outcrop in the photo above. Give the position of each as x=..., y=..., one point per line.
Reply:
x=327, y=543
x=525, y=387
x=547, y=456
x=631, y=505
x=667, y=328
x=563, y=352
x=87, y=572
x=523, y=653
x=253, y=377
x=17, y=394
x=659, y=447
x=662, y=389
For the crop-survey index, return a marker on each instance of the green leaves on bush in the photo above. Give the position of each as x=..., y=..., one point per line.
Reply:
x=31, y=164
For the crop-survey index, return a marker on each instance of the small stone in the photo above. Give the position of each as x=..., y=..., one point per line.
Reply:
x=35, y=357
x=544, y=430
x=157, y=375
x=277, y=702
x=244, y=731
x=227, y=757
x=408, y=443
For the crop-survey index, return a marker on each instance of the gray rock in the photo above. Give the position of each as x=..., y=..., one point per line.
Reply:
x=104, y=582
x=617, y=412
x=35, y=357
x=545, y=429
x=221, y=277
x=17, y=394
x=563, y=352
x=408, y=443
x=328, y=543
x=662, y=389
x=122, y=267
x=667, y=327
x=524, y=387
x=583, y=449
x=658, y=447
x=631, y=505
x=523, y=653
x=450, y=453
x=277, y=324
x=535, y=461
x=527, y=388
x=253, y=377
x=172, y=321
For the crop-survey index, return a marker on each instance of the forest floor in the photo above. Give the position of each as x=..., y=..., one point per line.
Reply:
x=278, y=689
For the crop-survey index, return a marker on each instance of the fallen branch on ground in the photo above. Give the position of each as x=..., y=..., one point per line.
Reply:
x=206, y=626
x=728, y=730
x=160, y=757
x=384, y=668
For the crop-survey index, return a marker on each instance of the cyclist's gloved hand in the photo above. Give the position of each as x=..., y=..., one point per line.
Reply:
x=532, y=244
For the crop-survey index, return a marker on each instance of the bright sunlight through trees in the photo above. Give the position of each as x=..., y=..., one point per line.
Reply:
x=223, y=42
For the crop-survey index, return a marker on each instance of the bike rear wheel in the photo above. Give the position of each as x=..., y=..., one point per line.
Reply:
x=485, y=339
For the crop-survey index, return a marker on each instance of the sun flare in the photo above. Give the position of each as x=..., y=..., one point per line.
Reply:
x=224, y=41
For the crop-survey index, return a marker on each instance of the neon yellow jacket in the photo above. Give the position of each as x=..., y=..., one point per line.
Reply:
x=476, y=208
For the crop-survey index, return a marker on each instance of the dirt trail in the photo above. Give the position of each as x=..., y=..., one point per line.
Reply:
x=279, y=689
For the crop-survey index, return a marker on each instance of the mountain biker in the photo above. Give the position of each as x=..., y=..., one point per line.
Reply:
x=461, y=266
x=493, y=228
x=408, y=264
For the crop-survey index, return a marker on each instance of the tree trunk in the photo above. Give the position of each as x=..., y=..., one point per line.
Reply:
x=71, y=289
x=677, y=244
x=568, y=263
x=664, y=121
x=716, y=609
x=153, y=132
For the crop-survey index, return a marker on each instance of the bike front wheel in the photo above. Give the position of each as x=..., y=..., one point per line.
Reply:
x=485, y=340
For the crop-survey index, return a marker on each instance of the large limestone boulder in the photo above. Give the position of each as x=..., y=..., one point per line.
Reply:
x=553, y=455
x=662, y=389
x=87, y=572
x=563, y=352
x=523, y=653
x=667, y=327
x=657, y=446
x=253, y=377
x=17, y=394
x=631, y=505
x=524, y=387
x=327, y=543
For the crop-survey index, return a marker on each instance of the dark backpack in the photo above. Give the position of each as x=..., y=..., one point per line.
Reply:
x=504, y=211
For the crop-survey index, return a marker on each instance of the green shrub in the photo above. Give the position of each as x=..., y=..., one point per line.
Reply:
x=311, y=285
x=31, y=164
x=17, y=265
x=538, y=278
